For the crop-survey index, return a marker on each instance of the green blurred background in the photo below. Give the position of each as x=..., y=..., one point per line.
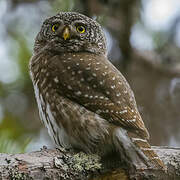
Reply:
x=143, y=42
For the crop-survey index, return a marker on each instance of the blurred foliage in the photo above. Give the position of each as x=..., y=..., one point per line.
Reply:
x=20, y=21
x=61, y=5
x=13, y=136
x=8, y=145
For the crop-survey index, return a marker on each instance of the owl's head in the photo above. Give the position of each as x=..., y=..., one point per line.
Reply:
x=71, y=32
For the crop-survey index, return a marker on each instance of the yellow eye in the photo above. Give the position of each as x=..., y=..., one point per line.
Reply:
x=55, y=27
x=81, y=29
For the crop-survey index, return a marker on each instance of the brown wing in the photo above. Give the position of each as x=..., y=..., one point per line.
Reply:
x=93, y=82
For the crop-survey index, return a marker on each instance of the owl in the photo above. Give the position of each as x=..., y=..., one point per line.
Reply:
x=83, y=100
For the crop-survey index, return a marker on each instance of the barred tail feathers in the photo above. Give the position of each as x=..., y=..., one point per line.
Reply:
x=145, y=147
x=136, y=150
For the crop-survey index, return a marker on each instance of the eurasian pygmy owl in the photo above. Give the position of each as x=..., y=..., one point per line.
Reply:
x=83, y=100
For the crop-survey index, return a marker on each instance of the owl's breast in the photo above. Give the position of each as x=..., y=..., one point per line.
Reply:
x=70, y=72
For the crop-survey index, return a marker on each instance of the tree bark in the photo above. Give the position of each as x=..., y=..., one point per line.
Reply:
x=58, y=164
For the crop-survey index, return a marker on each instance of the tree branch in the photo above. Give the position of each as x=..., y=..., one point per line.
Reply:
x=56, y=164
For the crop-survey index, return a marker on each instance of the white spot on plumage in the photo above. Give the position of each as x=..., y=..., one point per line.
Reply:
x=122, y=112
x=78, y=93
x=113, y=87
x=94, y=86
x=98, y=111
x=94, y=74
x=113, y=78
x=77, y=64
x=79, y=72
x=81, y=59
x=132, y=120
x=86, y=95
x=73, y=73
x=69, y=87
x=131, y=99
x=101, y=97
x=82, y=79
x=139, y=139
x=151, y=150
x=56, y=79
x=132, y=110
x=118, y=94
x=88, y=68
x=106, y=67
x=125, y=92
x=101, y=82
x=104, y=73
x=47, y=95
x=69, y=58
x=107, y=92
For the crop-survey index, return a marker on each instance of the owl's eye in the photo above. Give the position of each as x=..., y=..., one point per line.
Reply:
x=81, y=29
x=55, y=27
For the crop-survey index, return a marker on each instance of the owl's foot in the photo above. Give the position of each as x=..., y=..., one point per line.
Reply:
x=62, y=149
x=69, y=150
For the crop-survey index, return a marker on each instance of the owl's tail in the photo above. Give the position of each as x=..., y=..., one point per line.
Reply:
x=145, y=147
x=137, y=151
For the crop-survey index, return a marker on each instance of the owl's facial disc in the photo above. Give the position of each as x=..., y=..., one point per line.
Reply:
x=68, y=31
x=71, y=32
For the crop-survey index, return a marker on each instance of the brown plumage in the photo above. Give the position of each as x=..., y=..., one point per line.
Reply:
x=84, y=101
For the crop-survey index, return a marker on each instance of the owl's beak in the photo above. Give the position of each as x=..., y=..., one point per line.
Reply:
x=66, y=33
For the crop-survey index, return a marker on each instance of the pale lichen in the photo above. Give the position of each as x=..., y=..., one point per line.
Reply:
x=59, y=163
x=85, y=162
x=14, y=174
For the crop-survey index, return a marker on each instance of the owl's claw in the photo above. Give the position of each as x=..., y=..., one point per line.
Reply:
x=69, y=150
x=62, y=149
